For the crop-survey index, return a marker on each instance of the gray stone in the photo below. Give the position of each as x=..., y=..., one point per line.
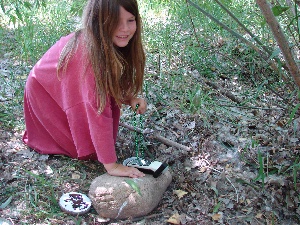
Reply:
x=123, y=197
x=4, y=222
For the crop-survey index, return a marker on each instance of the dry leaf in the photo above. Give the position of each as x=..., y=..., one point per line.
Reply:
x=202, y=170
x=190, y=125
x=294, y=140
x=259, y=216
x=188, y=168
x=180, y=193
x=75, y=176
x=216, y=216
x=175, y=219
x=27, y=154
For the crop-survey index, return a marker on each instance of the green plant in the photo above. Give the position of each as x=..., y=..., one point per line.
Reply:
x=293, y=113
x=11, y=95
x=5, y=203
x=133, y=185
x=294, y=168
x=261, y=173
x=217, y=207
x=77, y=7
x=36, y=26
x=196, y=99
x=42, y=195
x=17, y=10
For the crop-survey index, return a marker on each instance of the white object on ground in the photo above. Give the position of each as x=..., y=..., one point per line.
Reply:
x=75, y=203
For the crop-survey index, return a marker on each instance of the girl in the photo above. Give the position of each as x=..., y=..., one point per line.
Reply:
x=74, y=93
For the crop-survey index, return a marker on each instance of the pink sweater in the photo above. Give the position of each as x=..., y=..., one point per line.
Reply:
x=61, y=113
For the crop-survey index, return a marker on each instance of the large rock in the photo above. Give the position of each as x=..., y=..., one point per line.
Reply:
x=123, y=197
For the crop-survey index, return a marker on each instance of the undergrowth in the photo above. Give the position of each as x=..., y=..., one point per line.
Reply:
x=186, y=54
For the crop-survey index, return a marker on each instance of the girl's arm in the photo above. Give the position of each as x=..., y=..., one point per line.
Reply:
x=115, y=169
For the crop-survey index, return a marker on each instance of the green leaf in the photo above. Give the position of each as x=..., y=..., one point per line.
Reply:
x=216, y=208
x=19, y=15
x=6, y=203
x=134, y=185
x=13, y=19
x=275, y=53
x=292, y=115
x=37, y=3
x=261, y=174
x=278, y=10
x=27, y=5
x=215, y=190
x=295, y=171
x=263, y=22
x=2, y=6
x=44, y=3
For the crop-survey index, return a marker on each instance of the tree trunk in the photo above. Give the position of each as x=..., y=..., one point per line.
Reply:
x=281, y=40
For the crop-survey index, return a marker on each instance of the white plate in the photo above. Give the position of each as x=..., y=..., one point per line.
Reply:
x=126, y=161
x=75, y=203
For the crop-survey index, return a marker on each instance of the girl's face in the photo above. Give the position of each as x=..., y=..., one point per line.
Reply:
x=125, y=29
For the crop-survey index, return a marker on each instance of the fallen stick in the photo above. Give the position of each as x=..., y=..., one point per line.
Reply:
x=157, y=137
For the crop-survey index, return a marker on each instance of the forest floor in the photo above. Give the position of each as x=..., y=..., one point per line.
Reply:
x=245, y=174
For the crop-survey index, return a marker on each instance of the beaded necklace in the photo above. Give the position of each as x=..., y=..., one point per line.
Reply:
x=138, y=121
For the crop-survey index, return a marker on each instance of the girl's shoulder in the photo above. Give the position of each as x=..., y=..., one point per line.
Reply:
x=65, y=39
x=75, y=37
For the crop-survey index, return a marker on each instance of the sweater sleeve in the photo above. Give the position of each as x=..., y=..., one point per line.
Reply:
x=93, y=132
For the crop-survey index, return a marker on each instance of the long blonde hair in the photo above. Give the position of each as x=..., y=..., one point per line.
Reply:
x=119, y=72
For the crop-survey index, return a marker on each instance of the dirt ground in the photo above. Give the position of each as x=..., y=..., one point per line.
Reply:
x=213, y=183
x=242, y=169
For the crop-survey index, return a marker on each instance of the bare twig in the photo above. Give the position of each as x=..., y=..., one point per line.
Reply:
x=210, y=16
x=248, y=107
x=194, y=28
x=222, y=91
x=264, y=54
x=255, y=38
x=236, y=192
x=157, y=137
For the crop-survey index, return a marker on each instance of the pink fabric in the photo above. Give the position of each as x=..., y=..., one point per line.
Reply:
x=61, y=113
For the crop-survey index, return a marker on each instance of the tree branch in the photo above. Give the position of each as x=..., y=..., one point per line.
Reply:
x=157, y=137
x=281, y=40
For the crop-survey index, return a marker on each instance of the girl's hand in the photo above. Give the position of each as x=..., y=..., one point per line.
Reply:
x=120, y=170
x=142, y=105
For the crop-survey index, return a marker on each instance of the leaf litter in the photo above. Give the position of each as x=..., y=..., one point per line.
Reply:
x=222, y=180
